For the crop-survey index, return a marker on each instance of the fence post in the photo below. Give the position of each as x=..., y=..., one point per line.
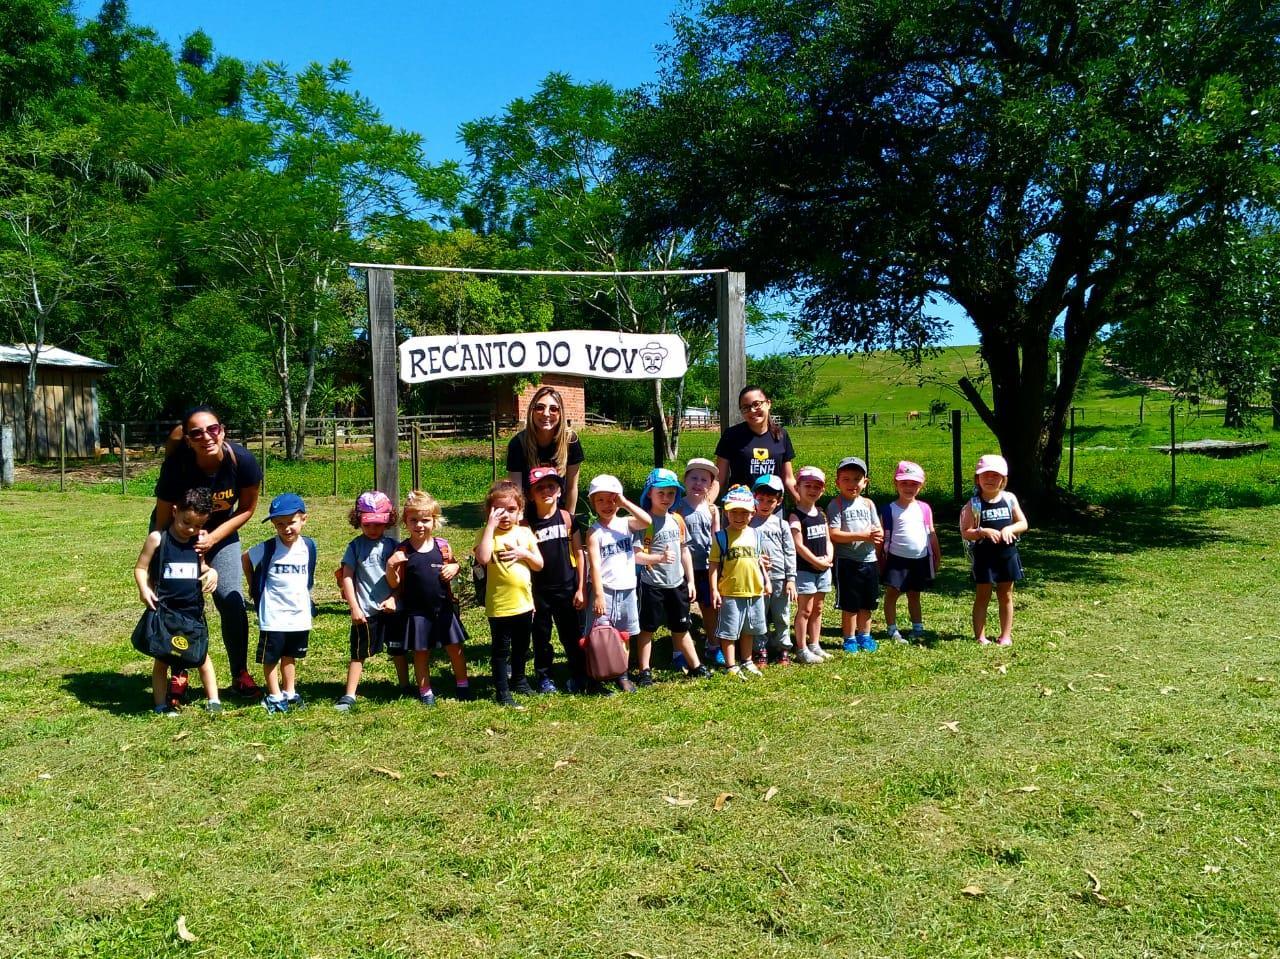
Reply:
x=62, y=453
x=1173, y=454
x=957, y=467
x=415, y=445
x=1071, y=455
x=493, y=446
x=6, y=455
x=124, y=460
x=335, y=456
x=866, y=441
x=263, y=485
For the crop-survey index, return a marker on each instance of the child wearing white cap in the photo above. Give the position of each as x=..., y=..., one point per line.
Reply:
x=911, y=552
x=990, y=525
x=814, y=559
x=739, y=583
x=702, y=521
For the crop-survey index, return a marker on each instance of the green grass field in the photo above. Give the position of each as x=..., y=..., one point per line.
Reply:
x=1108, y=787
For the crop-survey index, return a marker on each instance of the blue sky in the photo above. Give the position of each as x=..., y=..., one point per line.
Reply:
x=430, y=66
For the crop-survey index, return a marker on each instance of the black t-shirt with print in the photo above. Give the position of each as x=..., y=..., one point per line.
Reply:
x=238, y=469
x=555, y=542
x=751, y=456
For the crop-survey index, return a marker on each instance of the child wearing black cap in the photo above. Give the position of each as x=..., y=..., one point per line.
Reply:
x=280, y=572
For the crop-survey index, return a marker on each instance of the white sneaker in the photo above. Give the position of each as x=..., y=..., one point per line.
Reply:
x=736, y=672
x=896, y=636
x=807, y=657
x=821, y=653
x=752, y=668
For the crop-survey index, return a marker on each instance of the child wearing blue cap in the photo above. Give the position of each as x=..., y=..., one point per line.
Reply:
x=280, y=572
x=665, y=577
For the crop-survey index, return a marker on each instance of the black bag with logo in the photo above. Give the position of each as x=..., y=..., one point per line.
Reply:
x=173, y=636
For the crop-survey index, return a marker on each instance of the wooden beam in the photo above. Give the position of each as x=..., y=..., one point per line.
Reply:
x=731, y=308
x=382, y=339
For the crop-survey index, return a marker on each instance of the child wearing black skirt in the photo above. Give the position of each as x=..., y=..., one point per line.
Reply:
x=424, y=565
x=990, y=525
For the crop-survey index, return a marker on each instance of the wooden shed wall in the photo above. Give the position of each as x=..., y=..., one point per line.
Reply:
x=58, y=390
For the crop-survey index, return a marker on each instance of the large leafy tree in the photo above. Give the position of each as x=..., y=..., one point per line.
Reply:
x=1016, y=158
x=544, y=175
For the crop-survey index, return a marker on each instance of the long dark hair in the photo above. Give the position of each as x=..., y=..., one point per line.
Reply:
x=775, y=428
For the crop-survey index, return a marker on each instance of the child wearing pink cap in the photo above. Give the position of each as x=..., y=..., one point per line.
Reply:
x=990, y=525
x=362, y=580
x=910, y=554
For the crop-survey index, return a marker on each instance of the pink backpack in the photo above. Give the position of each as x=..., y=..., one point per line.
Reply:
x=606, y=649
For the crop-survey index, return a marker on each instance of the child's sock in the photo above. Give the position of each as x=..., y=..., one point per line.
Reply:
x=462, y=683
x=917, y=627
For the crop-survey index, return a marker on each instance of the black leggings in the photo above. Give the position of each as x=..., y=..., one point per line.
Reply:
x=558, y=611
x=510, y=648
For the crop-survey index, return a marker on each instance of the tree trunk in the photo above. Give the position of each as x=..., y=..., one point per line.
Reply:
x=1275, y=397
x=677, y=422
x=1233, y=415
x=657, y=416
x=29, y=405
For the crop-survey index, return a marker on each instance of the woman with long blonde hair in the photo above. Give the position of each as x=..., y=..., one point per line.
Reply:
x=546, y=440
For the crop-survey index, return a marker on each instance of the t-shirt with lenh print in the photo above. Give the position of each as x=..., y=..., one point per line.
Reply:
x=616, y=544
x=285, y=603
x=752, y=455
x=665, y=533
x=857, y=515
x=555, y=541
x=740, y=573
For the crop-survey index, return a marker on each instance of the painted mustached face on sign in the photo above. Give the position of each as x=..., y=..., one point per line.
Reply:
x=652, y=356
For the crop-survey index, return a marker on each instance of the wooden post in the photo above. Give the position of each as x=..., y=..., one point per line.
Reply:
x=1071, y=455
x=493, y=446
x=957, y=464
x=334, y=422
x=62, y=453
x=1173, y=454
x=382, y=339
x=866, y=442
x=262, y=487
x=6, y=455
x=124, y=457
x=731, y=309
x=415, y=446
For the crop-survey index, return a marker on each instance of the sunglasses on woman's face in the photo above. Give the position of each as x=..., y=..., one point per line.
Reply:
x=545, y=408
x=213, y=429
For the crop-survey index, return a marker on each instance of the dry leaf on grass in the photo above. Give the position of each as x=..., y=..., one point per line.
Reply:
x=384, y=771
x=259, y=758
x=632, y=954
x=1024, y=789
x=1137, y=814
x=182, y=735
x=973, y=892
x=952, y=727
x=855, y=702
x=769, y=793
x=721, y=801
x=1166, y=690
x=489, y=731
x=1002, y=668
x=45, y=776
x=1046, y=691
x=1094, y=882
x=1263, y=679
x=562, y=763
x=679, y=801
x=183, y=933
x=1209, y=870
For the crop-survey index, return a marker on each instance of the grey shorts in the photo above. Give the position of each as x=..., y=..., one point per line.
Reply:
x=620, y=606
x=809, y=583
x=741, y=615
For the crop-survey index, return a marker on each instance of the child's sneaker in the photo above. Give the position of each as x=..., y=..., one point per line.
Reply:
x=427, y=697
x=213, y=707
x=522, y=687
x=626, y=685
x=714, y=656
x=759, y=660
x=678, y=661
x=644, y=677
x=505, y=699
x=983, y=641
x=1004, y=641
x=784, y=658
x=273, y=706
x=736, y=671
x=464, y=693
x=851, y=644
x=294, y=701
x=807, y=657
x=547, y=686
x=698, y=672
x=177, y=695
x=164, y=709
x=891, y=633
x=821, y=653
x=244, y=686
x=344, y=703
x=917, y=634
x=867, y=644
x=750, y=667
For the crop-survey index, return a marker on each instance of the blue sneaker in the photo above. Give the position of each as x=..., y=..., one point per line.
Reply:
x=851, y=644
x=677, y=661
x=280, y=705
x=546, y=685
x=427, y=697
x=867, y=644
x=917, y=633
x=714, y=656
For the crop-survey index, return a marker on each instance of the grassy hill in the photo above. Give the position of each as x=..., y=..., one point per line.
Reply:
x=882, y=382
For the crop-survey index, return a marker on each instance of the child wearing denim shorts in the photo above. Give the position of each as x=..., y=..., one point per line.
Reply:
x=779, y=549
x=611, y=555
x=739, y=583
x=814, y=560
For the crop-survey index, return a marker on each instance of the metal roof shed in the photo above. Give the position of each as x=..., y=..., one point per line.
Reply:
x=66, y=391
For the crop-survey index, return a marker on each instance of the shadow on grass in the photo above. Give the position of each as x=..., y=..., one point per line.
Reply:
x=117, y=693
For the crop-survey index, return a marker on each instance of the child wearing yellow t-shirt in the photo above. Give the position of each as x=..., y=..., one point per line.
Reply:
x=739, y=583
x=510, y=555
